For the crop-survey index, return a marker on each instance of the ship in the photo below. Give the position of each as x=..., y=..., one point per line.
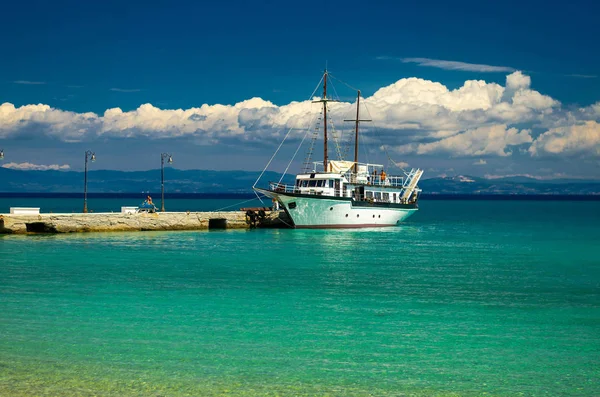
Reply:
x=346, y=193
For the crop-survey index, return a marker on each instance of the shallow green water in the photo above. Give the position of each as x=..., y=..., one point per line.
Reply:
x=466, y=298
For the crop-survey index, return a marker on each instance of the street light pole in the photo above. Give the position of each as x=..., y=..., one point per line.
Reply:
x=92, y=156
x=163, y=156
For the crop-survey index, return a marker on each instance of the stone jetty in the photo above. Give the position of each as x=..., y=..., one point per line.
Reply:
x=105, y=222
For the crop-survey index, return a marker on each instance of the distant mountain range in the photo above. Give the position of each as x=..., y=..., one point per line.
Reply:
x=511, y=185
x=208, y=181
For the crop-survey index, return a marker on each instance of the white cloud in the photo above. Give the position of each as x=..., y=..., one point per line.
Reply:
x=581, y=139
x=36, y=167
x=35, y=120
x=489, y=140
x=533, y=100
x=475, y=119
x=473, y=95
x=27, y=82
x=517, y=80
x=454, y=65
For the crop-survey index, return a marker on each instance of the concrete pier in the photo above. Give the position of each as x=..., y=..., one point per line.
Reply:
x=104, y=222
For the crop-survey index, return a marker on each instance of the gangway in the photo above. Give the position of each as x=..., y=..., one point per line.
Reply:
x=412, y=179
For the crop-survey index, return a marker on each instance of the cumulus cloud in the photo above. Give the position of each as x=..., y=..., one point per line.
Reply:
x=581, y=139
x=411, y=115
x=517, y=80
x=524, y=100
x=453, y=65
x=42, y=120
x=36, y=167
x=489, y=140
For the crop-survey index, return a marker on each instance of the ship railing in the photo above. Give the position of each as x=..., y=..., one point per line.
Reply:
x=280, y=187
x=376, y=179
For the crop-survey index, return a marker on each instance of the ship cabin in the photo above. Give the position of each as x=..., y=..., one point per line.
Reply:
x=369, y=183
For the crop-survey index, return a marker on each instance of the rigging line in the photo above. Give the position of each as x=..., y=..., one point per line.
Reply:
x=343, y=82
x=286, y=136
x=393, y=162
x=384, y=146
x=338, y=140
x=308, y=158
x=258, y=197
x=297, y=150
x=334, y=91
x=333, y=130
x=273, y=156
x=364, y=104
x=316, y=88
x=348, y=143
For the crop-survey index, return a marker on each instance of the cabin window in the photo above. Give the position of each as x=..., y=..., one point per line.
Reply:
x=386, y=197
x=377, y=196
x=320, y=183
x=312, y=183
x=394, y=197
x=369, y=194
x=331, y=183
x=298, y=183
x=304, y=183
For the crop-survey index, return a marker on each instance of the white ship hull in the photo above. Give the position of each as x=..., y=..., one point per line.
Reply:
x=331, y=212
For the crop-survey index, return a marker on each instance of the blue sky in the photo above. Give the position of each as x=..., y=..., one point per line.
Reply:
x=85, y=57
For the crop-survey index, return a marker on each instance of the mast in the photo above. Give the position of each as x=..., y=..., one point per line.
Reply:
x=357, y=120
x=325, y=121
x=325, y=100
x=356, y=133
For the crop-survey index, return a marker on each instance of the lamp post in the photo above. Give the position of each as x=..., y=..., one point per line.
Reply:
x=92, y=156
x=163, y=156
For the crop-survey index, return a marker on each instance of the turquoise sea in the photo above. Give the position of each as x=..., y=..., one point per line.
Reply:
x=467, y=298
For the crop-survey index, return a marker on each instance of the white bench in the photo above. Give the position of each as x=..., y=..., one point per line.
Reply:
x=24, y=211
x=128, y=210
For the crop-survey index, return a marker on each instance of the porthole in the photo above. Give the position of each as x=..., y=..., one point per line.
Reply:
x=380, y=216
x=346, y=215
x=357, y=215
x=330, y=208
x=373, y=215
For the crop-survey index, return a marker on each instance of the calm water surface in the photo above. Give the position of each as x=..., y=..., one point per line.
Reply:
x=467, y=298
